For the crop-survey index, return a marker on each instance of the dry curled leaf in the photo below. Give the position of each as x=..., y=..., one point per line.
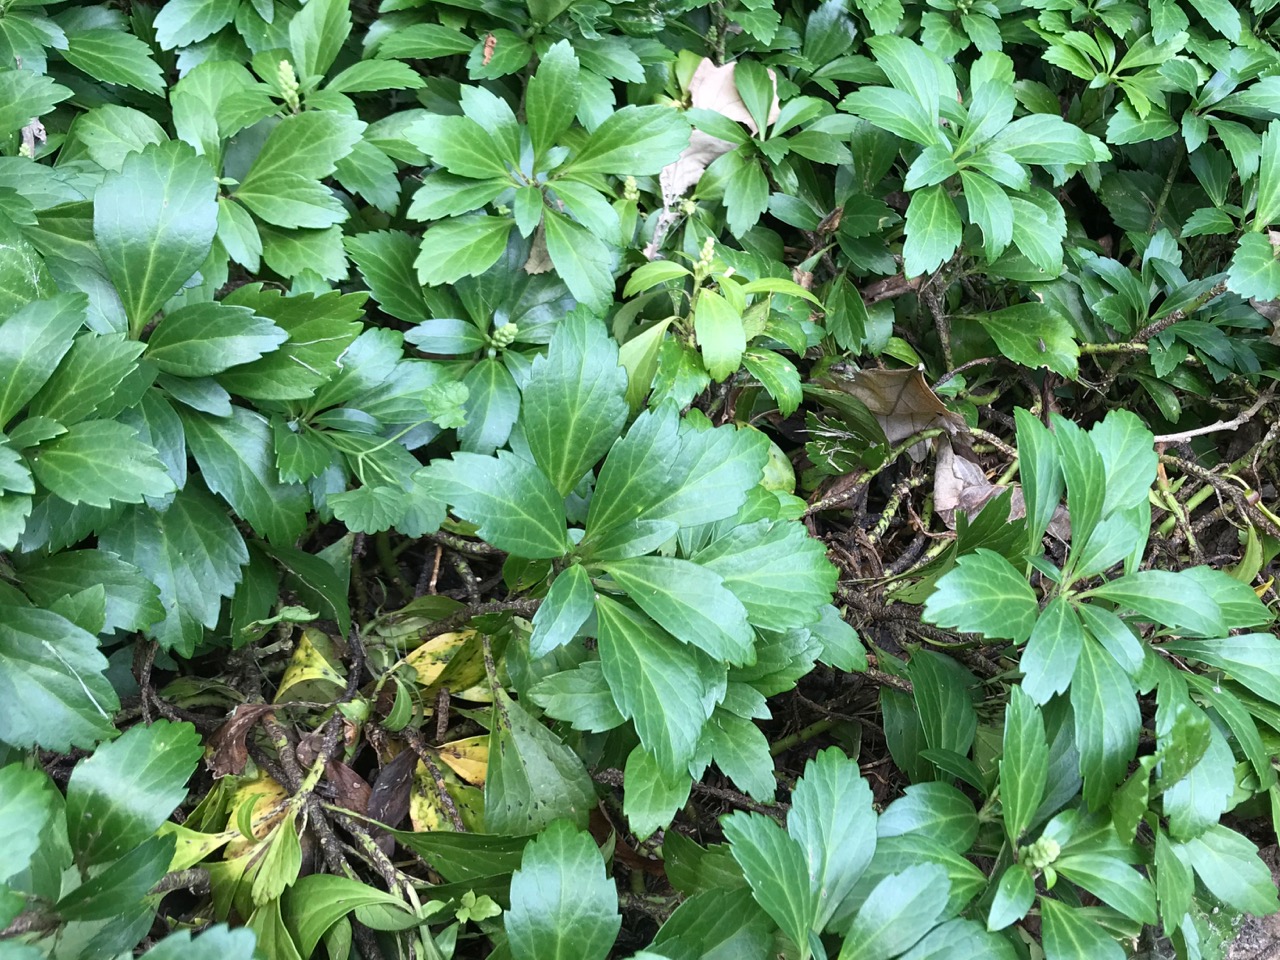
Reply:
x=228, y=752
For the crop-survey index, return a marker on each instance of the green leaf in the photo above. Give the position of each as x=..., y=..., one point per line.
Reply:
x=658, y=683
x=900, y=909
x=746, y=189
x=1045, y=139
x=1107, y=722
x=1024, y=766
x=492, y=406
x=511, y=501
x=652, y=796
x=894, y=111
x=775, y=868
x=1085, y=476
x=690, y=602
x=1041, y=472
x=181, y=23
x=237, y=460
x=565, y=609
x=192, y=552
x=533, y=778
x=935, y=810
x=990, y=209
x=632, y=141
x=1252, y=659
x=1034, y=335
x=96, y=462
x=574, y=404
x=385, y=261
x=206, y=338
x=778, y=376
x=115, y=56
x=584, y=262
x=132, y=601
x=552, y=96
x=1230, y=867
x=25, y=94
x=1128, y=455
x=1165, y=598
x=741, y=751
x=320, y=330
x=87, y=378
x=461, y=146
x=721, y=335
x=154, y=223
x=1014, y=897
x=563, y=903
x=215, y=943
x=1052, y=651
x=984, y=594
x=1255, y=268
x=941, y=687
x=118, y=890
x=372, y=76
x=1113, y=882
x=933, y=231
x=780, y=573
x=28, y=803
x=1222, y=15
x=316, y=34
x=461, y=247
x=281, y=187
x=53, y=684
x=834, y=822
x=581, y=697
x=33, y=342
x=315, y=903
x=1069, y=935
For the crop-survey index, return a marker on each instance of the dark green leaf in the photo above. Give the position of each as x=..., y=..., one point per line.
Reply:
x=984, y=594
x=775, y=868
x=533, y=778
x=237, y=460
x=633, y=141
x=1107, y=721
x=1014, y=897
x=192, y=552
x=1024, y=766
x=100, y=461
x=120, y=795
x=660, y=684
x=901, y=909
x=206, y=338
x=154, y=222
x=1069, y=935
x=562, y=901
x=132, y=601
x=32, y=343
x=511, y=501
x=574, y=404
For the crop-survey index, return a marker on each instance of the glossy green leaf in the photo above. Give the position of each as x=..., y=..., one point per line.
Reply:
x=513, y=504
x=1024, y=765
x=833, y=821
x=933, y=231
x=564, y=610
x=97, y=462
x=690, y=602
x=1014, y=897
x=237, y=461
x=901, y=909
x=154, y=222
x=120, y=795
x=1052, y=650
x=632, y=141
x=206, y=338
x=1069, y=935
x=192, y=552
x=563, y=904
x=574, y=404
x=32, y=343
x=27, y=804
x=984, y=594
x=657, y=682
x=533, y=778
x=775, y=868
x=1107, y=721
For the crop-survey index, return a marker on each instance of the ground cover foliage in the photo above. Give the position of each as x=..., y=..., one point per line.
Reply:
x=639, y=479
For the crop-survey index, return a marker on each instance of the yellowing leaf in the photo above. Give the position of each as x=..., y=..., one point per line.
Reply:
x=430, y=659
x=264, y=797
x=311, y=669
x=468, y=758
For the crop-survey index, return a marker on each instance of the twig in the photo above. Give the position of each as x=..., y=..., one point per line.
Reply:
x=1217, y=427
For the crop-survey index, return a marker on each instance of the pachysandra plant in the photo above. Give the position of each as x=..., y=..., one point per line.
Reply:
x=404, y=402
